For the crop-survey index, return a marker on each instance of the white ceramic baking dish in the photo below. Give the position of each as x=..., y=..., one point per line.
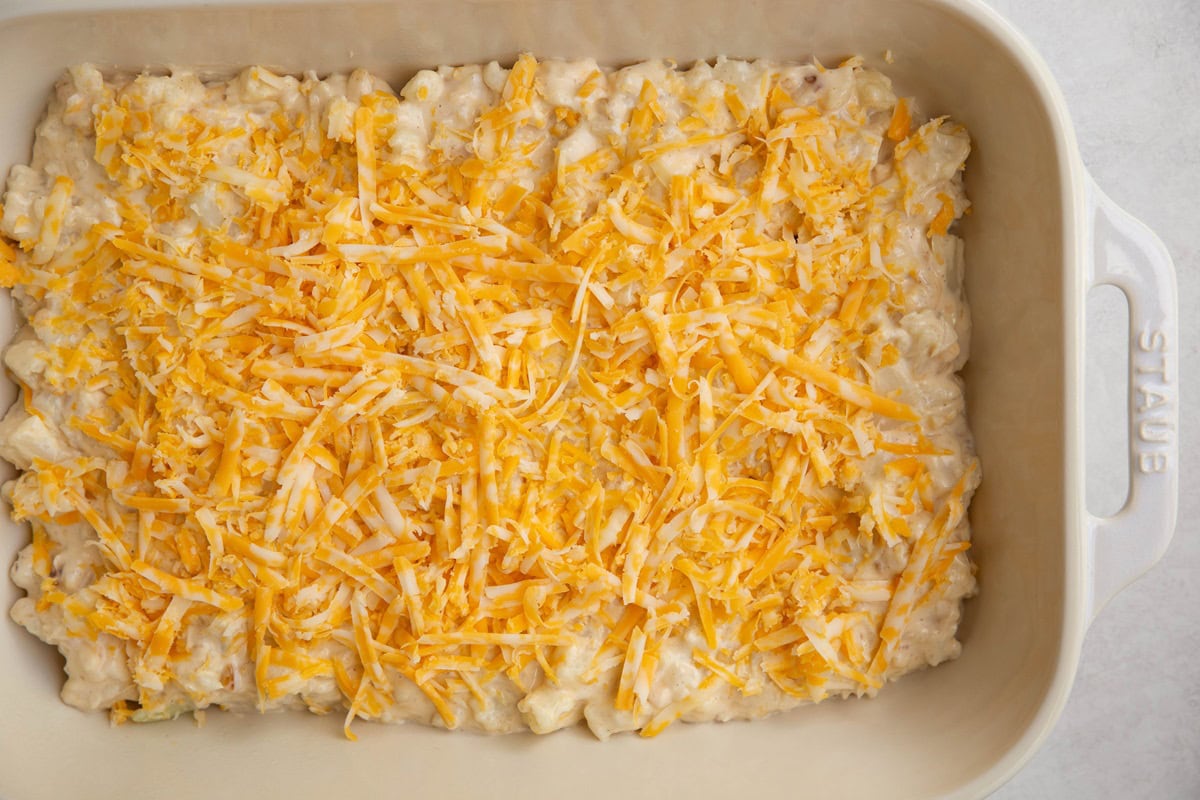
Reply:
x=1040, y=236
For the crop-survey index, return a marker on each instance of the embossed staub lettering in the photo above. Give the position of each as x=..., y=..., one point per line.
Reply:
x=1153, y=400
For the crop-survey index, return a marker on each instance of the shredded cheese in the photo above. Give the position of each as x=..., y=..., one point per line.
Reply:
x=444, y=404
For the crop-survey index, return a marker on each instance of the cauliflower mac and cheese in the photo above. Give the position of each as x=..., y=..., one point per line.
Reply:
x=517, y=398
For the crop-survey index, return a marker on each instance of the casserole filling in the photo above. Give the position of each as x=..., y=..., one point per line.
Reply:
x=521, y=397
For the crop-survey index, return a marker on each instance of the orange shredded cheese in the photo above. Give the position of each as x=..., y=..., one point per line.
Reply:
x=435, y=414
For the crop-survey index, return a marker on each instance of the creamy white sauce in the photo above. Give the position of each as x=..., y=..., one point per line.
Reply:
x=438, y=106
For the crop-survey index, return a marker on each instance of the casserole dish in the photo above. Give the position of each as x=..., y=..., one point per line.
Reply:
x=1040, y=237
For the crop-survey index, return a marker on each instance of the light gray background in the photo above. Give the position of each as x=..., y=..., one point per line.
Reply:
x=1130, y=70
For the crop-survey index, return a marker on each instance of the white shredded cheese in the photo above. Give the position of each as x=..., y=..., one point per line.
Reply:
x=520, y=397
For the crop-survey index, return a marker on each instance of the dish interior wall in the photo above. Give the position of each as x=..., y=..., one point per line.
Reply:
x=923, y=736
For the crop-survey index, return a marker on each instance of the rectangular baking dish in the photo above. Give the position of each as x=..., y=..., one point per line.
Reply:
x=1040, y=236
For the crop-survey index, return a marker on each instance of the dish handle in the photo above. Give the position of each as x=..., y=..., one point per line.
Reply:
x=1124, y=253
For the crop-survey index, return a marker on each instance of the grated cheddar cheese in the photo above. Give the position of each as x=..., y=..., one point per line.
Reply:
x=525, y=396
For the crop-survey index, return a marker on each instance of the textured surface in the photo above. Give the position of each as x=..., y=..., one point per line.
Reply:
x=1129, y=74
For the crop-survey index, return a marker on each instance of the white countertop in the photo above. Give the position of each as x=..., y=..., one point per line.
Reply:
x=1130, y=70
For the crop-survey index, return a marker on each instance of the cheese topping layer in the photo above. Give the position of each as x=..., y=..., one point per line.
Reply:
x=525, y=396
